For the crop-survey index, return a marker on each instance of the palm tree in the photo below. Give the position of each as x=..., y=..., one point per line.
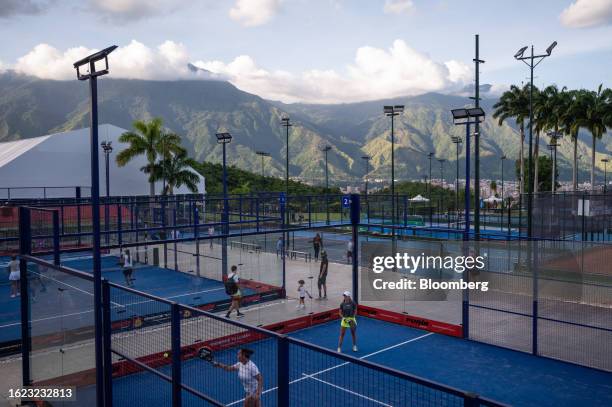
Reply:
x=590, y=113
x=552, y=107
x=567, y=112
x=168, y=145
x=143, y=141
x=177, y=170
x=515, y=103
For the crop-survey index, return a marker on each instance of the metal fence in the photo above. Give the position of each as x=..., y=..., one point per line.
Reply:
x=151, y=348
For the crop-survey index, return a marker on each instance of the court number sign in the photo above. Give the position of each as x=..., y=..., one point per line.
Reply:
x=346, y=201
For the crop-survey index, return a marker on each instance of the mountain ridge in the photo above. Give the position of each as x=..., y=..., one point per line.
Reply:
x=197, y=109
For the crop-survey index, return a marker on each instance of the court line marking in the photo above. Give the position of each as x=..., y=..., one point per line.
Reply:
x=348, y=391
x=117, y=306
x=311, y=376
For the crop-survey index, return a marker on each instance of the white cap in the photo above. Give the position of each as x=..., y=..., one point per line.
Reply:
x=346, y=293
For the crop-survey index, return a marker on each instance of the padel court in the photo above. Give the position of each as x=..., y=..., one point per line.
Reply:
x=318, y=379
x=60, y=299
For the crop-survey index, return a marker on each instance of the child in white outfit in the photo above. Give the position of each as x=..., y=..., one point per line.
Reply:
x=302, y=293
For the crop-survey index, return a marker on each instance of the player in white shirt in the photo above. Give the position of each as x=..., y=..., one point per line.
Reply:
x=302, y=293
x=211, y=233
x=249, y=376
x=128, y=269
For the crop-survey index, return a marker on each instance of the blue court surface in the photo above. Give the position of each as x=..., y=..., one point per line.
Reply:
x=61, y=301
x=322, y=380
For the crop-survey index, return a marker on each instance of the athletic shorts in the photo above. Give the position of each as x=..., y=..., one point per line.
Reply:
x=346, y=322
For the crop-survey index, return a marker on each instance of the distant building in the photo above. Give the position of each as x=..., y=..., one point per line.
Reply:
x=60, y=162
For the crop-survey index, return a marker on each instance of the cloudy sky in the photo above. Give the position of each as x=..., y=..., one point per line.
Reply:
x=319, y=51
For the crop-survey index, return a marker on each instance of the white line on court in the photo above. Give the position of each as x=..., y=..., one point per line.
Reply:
x=348, y=391
x=311, y=376
x=117, y=305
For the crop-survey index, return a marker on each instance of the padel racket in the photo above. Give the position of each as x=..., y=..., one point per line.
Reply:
x=206, y=354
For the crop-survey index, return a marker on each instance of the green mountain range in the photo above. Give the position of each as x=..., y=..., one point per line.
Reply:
x=196, y=109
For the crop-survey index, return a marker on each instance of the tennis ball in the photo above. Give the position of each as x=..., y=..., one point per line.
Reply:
x=166, y=354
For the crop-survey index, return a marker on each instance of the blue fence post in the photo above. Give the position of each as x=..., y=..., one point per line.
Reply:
x=165, y=231
x=62, y=218
x=56, y=238
x=309, y=211
x=465, y=305
x=355, y=215
x=78, y=204
x=283, y=371
x=175, y=236
x=257, y=214
x=284, y=248
x=534, y=325
x=25, y=248
x=196, y=235
x=119, y=225
x=176, y=354
x=405, y=210
x=106, y=343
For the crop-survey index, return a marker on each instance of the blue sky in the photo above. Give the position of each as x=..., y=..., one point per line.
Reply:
x=315, y=50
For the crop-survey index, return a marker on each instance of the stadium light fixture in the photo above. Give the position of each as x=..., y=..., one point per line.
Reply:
x=520, y=52
x=223, y=138
x=89, y=64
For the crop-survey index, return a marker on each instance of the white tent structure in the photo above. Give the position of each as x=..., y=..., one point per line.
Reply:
x=492, y=199
x=55, y=164
x=419, y=198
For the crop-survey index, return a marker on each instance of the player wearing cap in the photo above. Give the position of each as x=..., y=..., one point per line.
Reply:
x=348, y=311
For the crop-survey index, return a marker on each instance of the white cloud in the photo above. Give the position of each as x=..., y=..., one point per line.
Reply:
x=398, y=6
x=252, y=13
x=587, y=13
x=375, y=74
x=137, y=61
x=123, y=10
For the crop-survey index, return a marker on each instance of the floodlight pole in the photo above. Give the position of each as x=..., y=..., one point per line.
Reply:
x=286, y=123
x=467, y=180
x=531, y=64
x=325, y=150
x=367, y=161
x=477, y=62
x=102, y=387
x=107, y=148
x=457, y=141
x=430, y=155
x=441, y=161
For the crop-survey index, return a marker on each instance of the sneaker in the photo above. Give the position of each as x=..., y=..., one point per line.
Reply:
x=12, y=295
x=18, y=294
x=227, y=315
x=297, y=306
x=240, y=314
x=339, y=350
x=354, y=348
